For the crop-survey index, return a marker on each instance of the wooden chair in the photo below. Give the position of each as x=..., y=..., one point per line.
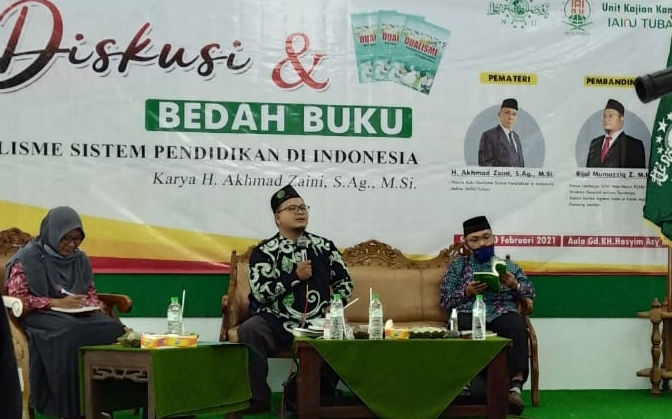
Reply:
x=525, y=307
x=10, y=241
x=235, y=304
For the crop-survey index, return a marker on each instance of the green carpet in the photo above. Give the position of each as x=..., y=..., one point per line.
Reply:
x=555, y=404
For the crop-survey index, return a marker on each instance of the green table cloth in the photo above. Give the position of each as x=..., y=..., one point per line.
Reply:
x=401, y=379
x=209, y=378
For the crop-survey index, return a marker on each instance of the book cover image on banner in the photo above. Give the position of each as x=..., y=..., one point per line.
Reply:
x=419, y=54
x=364, y=28
x=390, y=26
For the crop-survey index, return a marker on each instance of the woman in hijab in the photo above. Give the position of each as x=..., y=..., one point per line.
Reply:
x=55, y=281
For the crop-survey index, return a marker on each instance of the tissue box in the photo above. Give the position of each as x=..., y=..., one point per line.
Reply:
x=155, y=341
x=397, y=333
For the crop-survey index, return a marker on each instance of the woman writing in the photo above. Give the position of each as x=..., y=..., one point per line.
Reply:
x=54, y=279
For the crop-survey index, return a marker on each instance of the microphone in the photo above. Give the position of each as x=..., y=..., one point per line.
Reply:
x=303, y=243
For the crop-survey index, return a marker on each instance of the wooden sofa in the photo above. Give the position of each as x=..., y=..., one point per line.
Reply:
x=10, y=241
x=409, y=290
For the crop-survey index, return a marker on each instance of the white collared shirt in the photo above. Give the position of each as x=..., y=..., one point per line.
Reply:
x=507, y=132
x=613, y=136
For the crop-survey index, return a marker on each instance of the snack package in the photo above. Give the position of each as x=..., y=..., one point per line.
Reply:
x=398, y=333
x=392, y=332
x=156, y=341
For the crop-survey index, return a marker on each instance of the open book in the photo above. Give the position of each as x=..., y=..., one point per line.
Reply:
x=76, y=310
x=492, y=278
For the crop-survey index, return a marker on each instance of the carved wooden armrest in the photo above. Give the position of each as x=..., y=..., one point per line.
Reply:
x=525, y=306
x=123, y=303
x=14, y=304
x=225, y=303
x=223, y=335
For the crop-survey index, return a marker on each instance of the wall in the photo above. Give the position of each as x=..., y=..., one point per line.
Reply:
x=588, y=335
x=578, y=296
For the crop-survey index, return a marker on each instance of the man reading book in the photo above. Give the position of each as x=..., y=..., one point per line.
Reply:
x=459, y=289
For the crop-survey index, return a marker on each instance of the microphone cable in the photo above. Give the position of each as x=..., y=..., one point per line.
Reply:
x=303, y=242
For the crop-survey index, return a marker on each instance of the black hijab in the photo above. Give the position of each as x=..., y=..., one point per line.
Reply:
x=46, y=271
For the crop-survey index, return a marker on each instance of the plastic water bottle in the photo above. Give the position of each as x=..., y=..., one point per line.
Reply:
x=452, y=323
x=337, y=319
x=376, y=318
x=174, y=317
x=326, y=331
x=478, y=319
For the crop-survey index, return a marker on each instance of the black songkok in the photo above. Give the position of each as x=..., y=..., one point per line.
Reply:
x=282, y=195
x=510, y=103
x=615, y=105
x=475, y=224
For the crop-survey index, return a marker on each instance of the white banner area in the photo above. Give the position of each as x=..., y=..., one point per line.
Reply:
x=187, y=116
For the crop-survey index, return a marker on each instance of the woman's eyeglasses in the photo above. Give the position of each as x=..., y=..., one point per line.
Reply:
x=77, y=239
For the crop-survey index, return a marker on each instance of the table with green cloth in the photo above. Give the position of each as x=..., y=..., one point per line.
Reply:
x=209, y=378
x=416, y=378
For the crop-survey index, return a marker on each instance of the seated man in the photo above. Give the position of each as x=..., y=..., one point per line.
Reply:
x=290, y=279
x=458, y=291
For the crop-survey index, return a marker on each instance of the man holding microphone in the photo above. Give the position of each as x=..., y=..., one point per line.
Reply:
x=291, y=275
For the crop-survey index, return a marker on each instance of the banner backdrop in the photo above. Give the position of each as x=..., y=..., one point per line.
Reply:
x=168, y=125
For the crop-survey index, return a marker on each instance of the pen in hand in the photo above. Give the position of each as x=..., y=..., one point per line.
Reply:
x=71, y=300
x=70, y=294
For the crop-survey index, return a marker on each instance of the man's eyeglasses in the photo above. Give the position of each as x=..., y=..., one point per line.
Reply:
x=295, y=209
x=77, y=239
x=475, y=240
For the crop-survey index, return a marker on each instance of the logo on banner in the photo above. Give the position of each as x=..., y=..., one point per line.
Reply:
x=577, y=16
x=519, y=13
x=663, y=143
x=628, y=16
x=37, y=40
x=291, y=73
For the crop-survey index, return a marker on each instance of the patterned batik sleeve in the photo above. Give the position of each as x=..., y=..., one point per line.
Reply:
x=268, y=281
x=453, y=287
x=92, y=299
x=526, y=288
x=17, y=286
x=340, y=280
